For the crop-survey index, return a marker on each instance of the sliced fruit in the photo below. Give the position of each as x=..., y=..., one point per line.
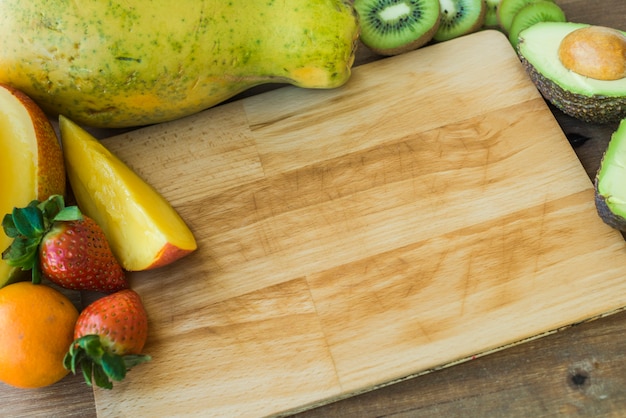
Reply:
x=532, y=13
x=610, y=188
x=31, y=161
x=508, y=10
x=459, y=17
x=143, y=229
x=585, y=98
x=391, y=27
x=491, y=14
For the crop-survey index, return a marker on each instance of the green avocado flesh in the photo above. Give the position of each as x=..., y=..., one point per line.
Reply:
x=588, y=99
x=610, y=181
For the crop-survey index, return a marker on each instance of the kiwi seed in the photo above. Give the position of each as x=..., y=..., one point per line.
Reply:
x=460, y=17
x=390, y=27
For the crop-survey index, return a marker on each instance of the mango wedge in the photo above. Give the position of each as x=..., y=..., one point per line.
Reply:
x=143, y=229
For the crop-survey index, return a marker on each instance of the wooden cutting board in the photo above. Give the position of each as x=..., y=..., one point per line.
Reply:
x=429, y=211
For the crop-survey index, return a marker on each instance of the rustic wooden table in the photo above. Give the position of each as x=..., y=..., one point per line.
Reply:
x=578, y=371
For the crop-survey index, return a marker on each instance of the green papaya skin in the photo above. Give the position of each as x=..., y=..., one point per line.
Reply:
x=131, y=63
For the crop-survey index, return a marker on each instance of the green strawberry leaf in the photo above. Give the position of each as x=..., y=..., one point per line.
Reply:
x=51, y=206
x=29, y=221
x=132, y=360
x=92, y=346
x=75, y=356
x=69, y=360
x=22, y=253
x=13, y=254
x=70, y=213
x=86, y=367
x=28, y=227
x=101, y=379
x=98, y=365
x=9, y=226
x=113, y=366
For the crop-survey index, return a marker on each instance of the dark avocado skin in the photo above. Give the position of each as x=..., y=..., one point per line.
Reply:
x=592, y=109
x=609, y=218
x=612, y=217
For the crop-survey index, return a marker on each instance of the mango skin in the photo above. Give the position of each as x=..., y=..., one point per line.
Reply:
x=131, y=63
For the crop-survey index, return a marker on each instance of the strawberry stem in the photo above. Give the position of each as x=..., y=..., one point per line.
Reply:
x=97, y=364
x=28, y=225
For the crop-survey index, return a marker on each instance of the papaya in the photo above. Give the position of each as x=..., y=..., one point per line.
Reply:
x=122, y=63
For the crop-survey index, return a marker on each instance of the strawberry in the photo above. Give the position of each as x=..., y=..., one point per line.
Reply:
x=62, y=245
x=110, y=334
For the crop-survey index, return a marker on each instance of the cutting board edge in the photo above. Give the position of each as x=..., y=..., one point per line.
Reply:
x=365, y=390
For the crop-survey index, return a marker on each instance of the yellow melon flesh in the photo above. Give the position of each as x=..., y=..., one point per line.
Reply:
x=31, y=161
x=143, y=229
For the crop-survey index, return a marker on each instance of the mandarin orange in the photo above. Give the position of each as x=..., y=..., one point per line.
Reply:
x=36, y=330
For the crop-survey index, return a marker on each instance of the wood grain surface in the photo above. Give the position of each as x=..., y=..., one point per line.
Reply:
x=542, y=378
x=420, y=215
x=577, y=371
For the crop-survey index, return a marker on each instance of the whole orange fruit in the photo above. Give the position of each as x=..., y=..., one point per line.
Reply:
x=36, y=330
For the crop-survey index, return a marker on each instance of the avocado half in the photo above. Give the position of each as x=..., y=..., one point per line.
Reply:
x=610, y=184
x=588, y=99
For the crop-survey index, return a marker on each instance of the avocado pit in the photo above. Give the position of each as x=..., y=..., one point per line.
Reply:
x=596, y=52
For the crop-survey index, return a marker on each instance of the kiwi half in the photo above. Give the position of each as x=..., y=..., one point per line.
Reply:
x=507, y=11
x=459, y=17
x=540, y=11
x=391, y=27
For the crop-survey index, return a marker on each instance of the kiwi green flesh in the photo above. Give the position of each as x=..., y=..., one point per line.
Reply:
x=532, y=13
x=508, y=10
x=390, y=27
x=590, y=100
x=610, y=187
x=460, y=17
x=491, y=13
